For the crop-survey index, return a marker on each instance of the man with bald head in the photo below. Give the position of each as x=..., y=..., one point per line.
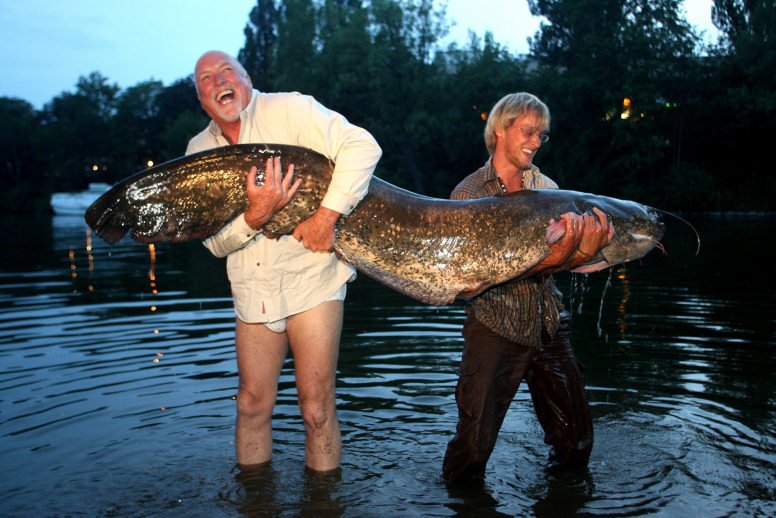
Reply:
x=288, y=292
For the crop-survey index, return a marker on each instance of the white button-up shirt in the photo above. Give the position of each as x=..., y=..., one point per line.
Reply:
x=273, y=279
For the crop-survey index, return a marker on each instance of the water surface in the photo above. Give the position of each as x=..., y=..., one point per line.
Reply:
x=118, y=377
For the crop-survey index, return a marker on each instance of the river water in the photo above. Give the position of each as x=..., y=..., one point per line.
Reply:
x=118, y=377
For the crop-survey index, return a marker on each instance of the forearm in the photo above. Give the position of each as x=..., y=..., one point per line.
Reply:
x=327, y=217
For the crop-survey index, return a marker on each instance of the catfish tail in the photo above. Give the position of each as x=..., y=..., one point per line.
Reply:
x=107, y=216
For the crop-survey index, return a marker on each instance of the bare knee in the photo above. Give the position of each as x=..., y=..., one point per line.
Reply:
x=317, y=414
x=253, y=406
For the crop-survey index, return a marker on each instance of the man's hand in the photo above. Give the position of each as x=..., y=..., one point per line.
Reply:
x=583, y=236
x=317, y=232
x=562, y=250
x=265, y=200
x=598, y=232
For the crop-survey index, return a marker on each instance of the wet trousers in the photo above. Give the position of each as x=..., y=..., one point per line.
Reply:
x=491, y=370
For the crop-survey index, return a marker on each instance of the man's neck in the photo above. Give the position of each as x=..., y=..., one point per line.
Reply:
x=231, y=132
x=509, y=175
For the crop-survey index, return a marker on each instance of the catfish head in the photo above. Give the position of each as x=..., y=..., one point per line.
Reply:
x=637, y=230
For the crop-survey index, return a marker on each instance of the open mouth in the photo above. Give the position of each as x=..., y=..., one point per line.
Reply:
x=225, y=96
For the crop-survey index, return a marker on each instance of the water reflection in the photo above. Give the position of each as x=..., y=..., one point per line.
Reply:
x=264, y=491
x=73, y=231
x=117, y=383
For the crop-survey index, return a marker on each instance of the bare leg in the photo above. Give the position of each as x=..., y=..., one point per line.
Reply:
x=260, y=356
x=314, y=336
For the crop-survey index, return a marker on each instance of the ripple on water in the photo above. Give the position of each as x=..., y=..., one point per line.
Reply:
x=117, y=384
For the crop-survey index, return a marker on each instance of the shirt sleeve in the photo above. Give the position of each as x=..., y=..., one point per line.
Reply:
x=354, y=150
x=541, y=181
x=234, y=236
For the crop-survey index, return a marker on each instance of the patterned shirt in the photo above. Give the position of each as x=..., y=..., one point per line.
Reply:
x=519, y=309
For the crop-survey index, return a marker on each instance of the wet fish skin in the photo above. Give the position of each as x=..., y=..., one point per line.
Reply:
x=432, y=249
x=427, y=248
x=192, y=197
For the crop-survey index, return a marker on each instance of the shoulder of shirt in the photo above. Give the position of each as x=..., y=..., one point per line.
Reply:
x=289, y=105
x=540, y=180
x=203, y=140
x=279, y=100
x=468, y=187
x=472, y=185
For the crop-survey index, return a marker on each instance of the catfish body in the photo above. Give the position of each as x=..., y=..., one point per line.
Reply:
x=427, y=248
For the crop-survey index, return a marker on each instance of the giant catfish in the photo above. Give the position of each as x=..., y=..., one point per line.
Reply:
x=427, y=248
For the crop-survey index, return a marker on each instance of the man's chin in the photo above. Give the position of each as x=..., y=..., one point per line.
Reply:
x=227, y=115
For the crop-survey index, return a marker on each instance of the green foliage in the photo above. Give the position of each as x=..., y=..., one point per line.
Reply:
x=745, y=101
x=691, y=188
x=639, y=109
x=179, y=118
x=606, y=68
x=79, y=128
x=137, y=120
x=294, y=67
x=261, y=35
x=20, y=164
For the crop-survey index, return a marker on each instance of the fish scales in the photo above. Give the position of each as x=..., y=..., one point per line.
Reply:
x=405, y=240
x=427, y=248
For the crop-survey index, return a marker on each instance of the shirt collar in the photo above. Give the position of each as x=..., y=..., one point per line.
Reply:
x=530, y=176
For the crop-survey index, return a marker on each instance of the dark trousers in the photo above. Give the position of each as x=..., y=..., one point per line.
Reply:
x=491, y=370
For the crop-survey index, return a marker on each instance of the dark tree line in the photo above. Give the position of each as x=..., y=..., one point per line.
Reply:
x=641, y=109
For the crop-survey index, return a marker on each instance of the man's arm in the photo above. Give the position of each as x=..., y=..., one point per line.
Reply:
x=355, y=154
x=583, y=236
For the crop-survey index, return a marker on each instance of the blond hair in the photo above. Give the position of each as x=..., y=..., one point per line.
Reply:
x=509, y=108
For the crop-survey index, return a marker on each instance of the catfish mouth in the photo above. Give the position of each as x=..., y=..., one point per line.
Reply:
x=634, y=246
x=637, y=245
x=646, y=242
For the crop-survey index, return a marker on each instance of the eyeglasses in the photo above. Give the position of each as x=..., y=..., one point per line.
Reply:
x=530, y=134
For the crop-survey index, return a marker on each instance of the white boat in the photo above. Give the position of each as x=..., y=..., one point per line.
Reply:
x=76, y=203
